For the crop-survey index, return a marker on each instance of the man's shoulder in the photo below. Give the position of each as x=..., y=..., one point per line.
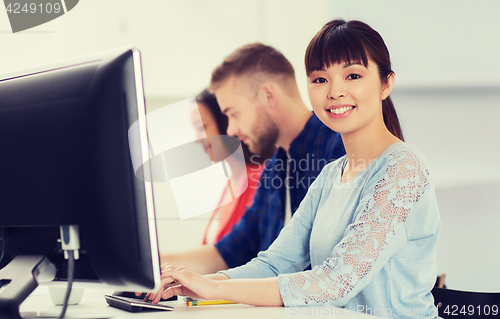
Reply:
x=319, y=129
x=317, y=142
x=327, y=142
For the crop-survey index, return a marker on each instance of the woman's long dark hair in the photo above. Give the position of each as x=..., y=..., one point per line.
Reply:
x=208, y=99
x=353, y=41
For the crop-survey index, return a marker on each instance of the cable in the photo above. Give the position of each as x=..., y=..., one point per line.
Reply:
x=71, y=268
x=2, y=239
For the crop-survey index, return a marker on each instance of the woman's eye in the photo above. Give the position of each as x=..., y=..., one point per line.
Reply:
x=353, y=76
x=319, y=80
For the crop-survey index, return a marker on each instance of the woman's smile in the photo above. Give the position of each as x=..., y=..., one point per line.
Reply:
x=339, y=111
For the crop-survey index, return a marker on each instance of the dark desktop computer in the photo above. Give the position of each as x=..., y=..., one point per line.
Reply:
x=72, y=206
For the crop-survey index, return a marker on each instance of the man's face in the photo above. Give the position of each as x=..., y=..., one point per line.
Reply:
x=248, y=118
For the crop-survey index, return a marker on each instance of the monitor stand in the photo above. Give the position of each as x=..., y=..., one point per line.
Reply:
x=18, y=280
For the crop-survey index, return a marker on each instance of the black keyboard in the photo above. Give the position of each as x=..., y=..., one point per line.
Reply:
x=134, y=304
x=130, y=294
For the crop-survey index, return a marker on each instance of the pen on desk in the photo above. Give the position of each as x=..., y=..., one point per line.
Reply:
x=208, y=302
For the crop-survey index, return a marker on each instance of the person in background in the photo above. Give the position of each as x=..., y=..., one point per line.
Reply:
x=213, y=122
x=369, y=224
x=255, y=87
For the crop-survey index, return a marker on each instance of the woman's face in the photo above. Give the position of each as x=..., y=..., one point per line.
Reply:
x=206, y=127
x=347, y=97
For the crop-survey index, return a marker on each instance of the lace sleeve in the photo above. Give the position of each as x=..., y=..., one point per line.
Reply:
x=375, y=235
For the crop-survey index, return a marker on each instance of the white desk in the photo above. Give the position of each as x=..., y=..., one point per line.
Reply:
x=93, y=305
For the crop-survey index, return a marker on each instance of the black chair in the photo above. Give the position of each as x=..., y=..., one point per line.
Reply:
x=455, y=303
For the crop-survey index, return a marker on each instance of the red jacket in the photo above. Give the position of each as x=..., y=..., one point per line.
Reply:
x=232, y=212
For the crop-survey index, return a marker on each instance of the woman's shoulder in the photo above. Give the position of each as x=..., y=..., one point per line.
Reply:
x=402, y=160
x=402, y=153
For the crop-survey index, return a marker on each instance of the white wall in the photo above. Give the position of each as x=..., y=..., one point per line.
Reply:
x=434, y=44
x=459, y=135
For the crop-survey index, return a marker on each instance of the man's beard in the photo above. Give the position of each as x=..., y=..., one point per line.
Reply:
x=266, y=134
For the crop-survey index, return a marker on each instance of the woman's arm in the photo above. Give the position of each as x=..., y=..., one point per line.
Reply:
x=288, y=253
x=203, y=260
x=259, y=292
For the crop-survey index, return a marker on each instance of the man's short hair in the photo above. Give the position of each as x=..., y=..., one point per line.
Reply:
x=257, y=61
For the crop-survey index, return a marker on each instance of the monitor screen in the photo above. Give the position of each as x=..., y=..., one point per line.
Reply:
x=66, y=160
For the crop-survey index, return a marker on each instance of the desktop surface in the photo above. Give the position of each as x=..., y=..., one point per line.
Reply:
x=93, y=305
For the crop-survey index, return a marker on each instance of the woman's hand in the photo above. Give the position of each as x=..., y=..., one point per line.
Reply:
x=163, y=267
x=180, y=281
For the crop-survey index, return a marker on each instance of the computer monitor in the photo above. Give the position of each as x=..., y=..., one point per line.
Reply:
x=66, y=160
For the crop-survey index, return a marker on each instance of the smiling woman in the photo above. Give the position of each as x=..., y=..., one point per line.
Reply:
x=369, y=224
x=359, y=53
